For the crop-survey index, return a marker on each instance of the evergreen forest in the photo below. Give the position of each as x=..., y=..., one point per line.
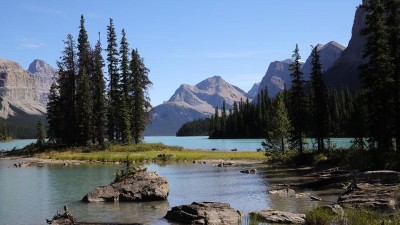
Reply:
x=83, y=109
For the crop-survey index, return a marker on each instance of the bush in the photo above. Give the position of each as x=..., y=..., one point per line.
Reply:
x=320, y=216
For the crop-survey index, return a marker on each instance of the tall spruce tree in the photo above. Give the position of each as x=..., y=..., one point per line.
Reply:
x=84, y=102
x=40, y=134
x=320, y=104
x=54, y=114
x=378, y=82
x=298, y=102
x=99, y=100
x=393, y=23
x=140, y=99
x=279, y=126
x=124, y=112
x=84, y=110
x=114, y=96
x=67, y=93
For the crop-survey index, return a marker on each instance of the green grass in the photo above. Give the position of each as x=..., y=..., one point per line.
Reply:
x=142, y=152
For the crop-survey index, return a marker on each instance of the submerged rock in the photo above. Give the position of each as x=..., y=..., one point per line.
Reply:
x=211, y=213
x=275, y=216
x=142, y=186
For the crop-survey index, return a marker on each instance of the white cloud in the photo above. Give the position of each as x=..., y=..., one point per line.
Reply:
x=27, y=43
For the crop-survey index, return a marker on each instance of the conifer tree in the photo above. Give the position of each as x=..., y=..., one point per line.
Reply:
x=99, y=100
x=140, y=99
x=124, y=112
x=298, y=103
x=40, y=134
x=320, y=105
x=114, y=97
x=84, y=110
x=279, y=127
x=67, y=101
x=393, y=23
x=54, y=114
x=84, y=102
x=377, y=78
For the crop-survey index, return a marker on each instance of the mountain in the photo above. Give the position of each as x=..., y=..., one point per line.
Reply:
x=278, y=74
x=276, y=77
x=345, y=70
x=253, y=91
x=192, y=102
x=44, y=74
x=19, y=91
x=328, y=53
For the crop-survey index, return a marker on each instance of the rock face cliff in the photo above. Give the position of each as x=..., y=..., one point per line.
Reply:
x=345, y=69
x=254, y=91
x=276, y=77
x=192, y=102
x=328, y=53
x=19, y=91
x=278, y=74
x=44, y=74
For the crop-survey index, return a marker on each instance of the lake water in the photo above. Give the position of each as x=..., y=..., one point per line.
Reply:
x=29, y=195
x=196, y=142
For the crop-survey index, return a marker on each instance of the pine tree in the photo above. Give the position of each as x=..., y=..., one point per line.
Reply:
x=67, y=92
x=99, y=100
x=298, y=103
x=378, y=82
x=124, y=116
x=279, y=127
x=140, y=99
x=54, y=114
x=114, y=97
x=320, y=105
x=393, y=23
x=84, y=110
x=40, y=134
x=84, y=102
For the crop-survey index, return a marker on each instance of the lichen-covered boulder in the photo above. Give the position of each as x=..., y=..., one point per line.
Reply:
x=211, y=213
x=275, y=216
x=141, y=186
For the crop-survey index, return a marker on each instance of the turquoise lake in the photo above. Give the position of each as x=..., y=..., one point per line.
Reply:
x=196, y=142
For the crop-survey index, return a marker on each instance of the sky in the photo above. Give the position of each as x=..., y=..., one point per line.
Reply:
x=181, y=41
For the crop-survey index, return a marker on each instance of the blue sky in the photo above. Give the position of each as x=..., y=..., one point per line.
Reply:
x=181, y=41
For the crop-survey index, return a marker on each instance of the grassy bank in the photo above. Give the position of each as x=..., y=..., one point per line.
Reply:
x=142, y=152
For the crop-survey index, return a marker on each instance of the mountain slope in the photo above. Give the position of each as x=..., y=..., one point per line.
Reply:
x=44, y=74
x=192, y=102
x=278, y=73
x=345, y=69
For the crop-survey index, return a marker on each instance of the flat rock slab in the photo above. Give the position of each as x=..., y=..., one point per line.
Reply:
x=210, y=213
x=287, y=192
x=275, y=216
x=378, y=196
x=142, y=186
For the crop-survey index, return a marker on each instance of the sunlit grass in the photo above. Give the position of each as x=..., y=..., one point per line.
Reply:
x=146, y=152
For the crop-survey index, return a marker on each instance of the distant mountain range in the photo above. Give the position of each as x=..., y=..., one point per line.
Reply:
x=193, y=102
x=23, y=94
x=278, y=77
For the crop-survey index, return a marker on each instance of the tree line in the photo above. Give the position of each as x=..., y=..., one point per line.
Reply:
x=81, y=110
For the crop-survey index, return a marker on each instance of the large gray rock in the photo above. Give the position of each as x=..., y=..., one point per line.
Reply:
x=211, y=213
x=276, y=77
x=378, y=196
x=192, y=102
x=142, y=186
x=275, y=216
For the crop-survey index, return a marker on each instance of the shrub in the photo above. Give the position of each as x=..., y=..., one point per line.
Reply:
x=320, y=216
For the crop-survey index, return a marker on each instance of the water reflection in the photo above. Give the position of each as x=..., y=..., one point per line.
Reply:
x=32, y=194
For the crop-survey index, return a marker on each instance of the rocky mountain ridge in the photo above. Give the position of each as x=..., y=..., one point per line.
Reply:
x=193, y=102
x=278, y=77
